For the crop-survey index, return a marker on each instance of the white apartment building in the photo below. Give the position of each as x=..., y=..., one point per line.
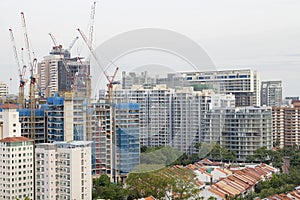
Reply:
x=3, y=89
x=48, y=79
x=16, y=166
x=63, y=170
x=243, y=83
x=170, y=117
x=16, y=159
x=242, y=130
x=271, y=93
x=9, y=118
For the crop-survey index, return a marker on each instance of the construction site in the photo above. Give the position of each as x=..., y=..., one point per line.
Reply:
x=58, y=106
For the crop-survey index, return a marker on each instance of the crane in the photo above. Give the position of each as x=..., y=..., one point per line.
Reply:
x=92, y=21
x=72, y=43
x=110, y=79
x=21, y=70
x=32, y=65
x=111, y=83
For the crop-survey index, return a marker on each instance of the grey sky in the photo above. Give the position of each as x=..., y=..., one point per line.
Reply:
x=261, y=34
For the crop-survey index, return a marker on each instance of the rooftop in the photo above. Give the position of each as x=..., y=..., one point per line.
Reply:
x=16, y=139
x=241, y=180
x=9, y=106
x=73, y=143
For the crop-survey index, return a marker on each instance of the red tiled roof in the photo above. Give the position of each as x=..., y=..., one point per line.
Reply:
x=292, y=195
x=9, y=106
x=223, y=171
x=240, y=180
x=15, y=139
x=150, y=198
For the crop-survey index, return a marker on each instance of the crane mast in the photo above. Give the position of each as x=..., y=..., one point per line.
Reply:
x=92, y=21
x=32, y=65
x=21, y=71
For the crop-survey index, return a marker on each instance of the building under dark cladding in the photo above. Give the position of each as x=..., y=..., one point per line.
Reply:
x=59, y=73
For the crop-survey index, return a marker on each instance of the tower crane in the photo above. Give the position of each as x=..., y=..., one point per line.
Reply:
x=72, y=43
x=110, y=79
x=84, y=72
x=21, y=70
x=32, y=65
x=92, y=21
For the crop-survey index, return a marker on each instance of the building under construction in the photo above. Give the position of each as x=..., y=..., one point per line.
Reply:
x=56, y=77
x=116, y=147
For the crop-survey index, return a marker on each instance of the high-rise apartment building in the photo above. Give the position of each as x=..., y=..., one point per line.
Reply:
x=40, y=127
x=170, y=117
x=132, y=78
x=242, y=130
x=63, y=170
x=16, y=159
x=126, y=143
x=17, y=170
x=116, y=137
x=271, y=93
x=286, y=129
x=101, y=151
x=54, y=77
x=60, y=118
x=243, y=83
x=9, y=119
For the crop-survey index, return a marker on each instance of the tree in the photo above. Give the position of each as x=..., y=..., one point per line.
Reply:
x=156, y=183
x=146, y=184
x=184, y=184
x=219, y=152
x=103, y=188
x=212, y=198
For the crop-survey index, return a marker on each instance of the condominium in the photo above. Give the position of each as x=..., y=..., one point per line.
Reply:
x=9, y=119
x=271, y=93
x=242, y=130
x=170, y=117
x=16, y=166
x=155, y=108
x=16, y=159
x=286, y=121
x=132, y=78
x=63, y=170
x=243, y=83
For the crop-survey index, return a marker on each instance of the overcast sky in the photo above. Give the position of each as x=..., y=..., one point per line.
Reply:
x=258, y=34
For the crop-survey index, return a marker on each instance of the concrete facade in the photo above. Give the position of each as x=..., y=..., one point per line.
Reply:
x=63, y=170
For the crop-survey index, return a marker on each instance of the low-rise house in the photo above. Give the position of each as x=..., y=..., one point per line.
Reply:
x=242, y=181
x=294, y=195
